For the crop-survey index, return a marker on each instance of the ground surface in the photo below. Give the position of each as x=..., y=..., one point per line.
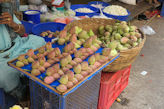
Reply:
x=147, y=92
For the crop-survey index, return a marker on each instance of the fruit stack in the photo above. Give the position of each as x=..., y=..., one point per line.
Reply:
x=69, y=65
x=75, y=35
x=50, y=34
x=120, y=36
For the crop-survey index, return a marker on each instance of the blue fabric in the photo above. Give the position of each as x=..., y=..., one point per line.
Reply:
x=162, y=10
x=9, y=77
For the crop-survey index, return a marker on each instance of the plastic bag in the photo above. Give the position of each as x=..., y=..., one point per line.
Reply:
x=43, y=8
x=101, y=15
x=147, y=30
x=67, y=4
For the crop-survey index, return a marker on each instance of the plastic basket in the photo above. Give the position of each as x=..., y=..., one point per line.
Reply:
x=29, y=16
x=121, y=18
x=85, y=97
x=96, y=11
x=112, y=84
x=42, y=27
x=104, y=4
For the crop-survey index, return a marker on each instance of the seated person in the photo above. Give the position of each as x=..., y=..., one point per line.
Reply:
x=11, y=46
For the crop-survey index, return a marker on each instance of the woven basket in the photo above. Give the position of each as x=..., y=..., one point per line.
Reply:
x=126, y=58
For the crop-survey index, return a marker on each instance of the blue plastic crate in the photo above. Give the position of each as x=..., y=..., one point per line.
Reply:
x=96, y=11
x=121, y=18
x=42, y=27
x=85, y=97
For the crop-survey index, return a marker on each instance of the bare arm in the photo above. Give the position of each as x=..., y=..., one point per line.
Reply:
x=6, y=18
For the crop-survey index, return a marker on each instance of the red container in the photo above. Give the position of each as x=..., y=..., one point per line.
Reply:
x=61, y=5
x=112, y=84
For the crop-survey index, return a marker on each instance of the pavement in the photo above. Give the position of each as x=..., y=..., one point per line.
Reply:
x=147, y=92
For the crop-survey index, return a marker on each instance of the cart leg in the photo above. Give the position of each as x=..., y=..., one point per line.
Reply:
x=61, y=102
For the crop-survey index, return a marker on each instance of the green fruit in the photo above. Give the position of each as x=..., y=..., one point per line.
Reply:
x=101, y=28
x=139, y=40
x=64, y=79
x=25, y=61
x=79, y=42
x=96, y=45
x=126, y=35
x=67, y=39
x=138, y=35
x=97, y=41
x=102, y=38
x=127, y=45
x=77, y=45
x=126, y=29
x=124, y=40
x=91, y=33
x=135, y=44
x=112, y=39
x=77, y=68
x=114, y=32
x=120, y=31
x=119, y=47
x=123, y=23
x=117, y=36
x=82, y=40
x=132, y=33
x=108, y=28
x=113, y=44
x=83, y=35
x=102, y=32
x=115, y=28
x=132, y=28
x=61, y=41
x=92, y=60
x=19, y=64
x=117, y=24
x=113, y=52
x=107, y=34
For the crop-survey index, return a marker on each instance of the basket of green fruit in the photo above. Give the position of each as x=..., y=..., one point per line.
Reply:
x=118, y=36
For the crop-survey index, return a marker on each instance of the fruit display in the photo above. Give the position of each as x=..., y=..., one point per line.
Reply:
x=49, y=34
x=67, y=66
x=120, y=36
x=75, y=35
x=76, y=55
